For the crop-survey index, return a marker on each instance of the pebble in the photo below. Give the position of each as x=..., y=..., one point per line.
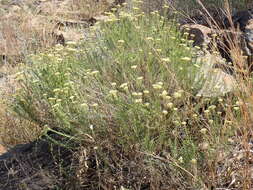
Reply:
x=2, y=149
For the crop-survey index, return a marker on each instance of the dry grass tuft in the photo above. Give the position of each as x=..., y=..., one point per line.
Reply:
x=240, y=158
x=10, y=134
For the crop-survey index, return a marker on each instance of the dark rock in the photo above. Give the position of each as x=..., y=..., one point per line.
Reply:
x=248, y=37
x=59, y=38
x=232, y=34
x=32, y=166
x=239, y=19
x=242, y=27
x=213, y=19
x=200, y=34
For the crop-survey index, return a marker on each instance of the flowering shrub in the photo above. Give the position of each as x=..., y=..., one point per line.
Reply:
x=133, y=86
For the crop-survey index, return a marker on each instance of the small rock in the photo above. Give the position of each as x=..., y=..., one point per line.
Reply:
x=2, y=149
x=216, y=82
x=200, y=34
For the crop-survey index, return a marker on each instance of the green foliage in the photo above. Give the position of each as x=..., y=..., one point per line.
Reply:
x=133, y=85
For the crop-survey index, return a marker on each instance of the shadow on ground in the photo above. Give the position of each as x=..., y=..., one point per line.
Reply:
x=32, y=166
